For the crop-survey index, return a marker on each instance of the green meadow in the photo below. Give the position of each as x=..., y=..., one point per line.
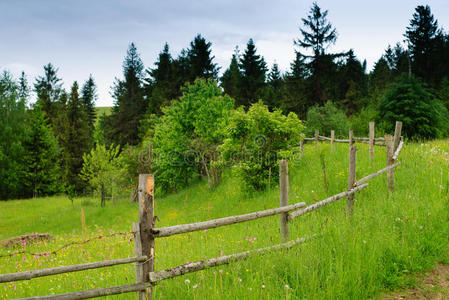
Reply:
x=386, y=243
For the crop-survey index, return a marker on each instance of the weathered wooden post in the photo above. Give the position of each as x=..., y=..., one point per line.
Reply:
x=332, y=139
x=283, y=187
x=351, y=138
x=397, y=135
x=144, y=240
x=351, y=177
x=371, y=140
x=390, y=152
x=317, y=133
x=301, y=146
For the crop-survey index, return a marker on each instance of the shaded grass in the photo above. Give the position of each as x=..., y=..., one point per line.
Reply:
x=387, y=240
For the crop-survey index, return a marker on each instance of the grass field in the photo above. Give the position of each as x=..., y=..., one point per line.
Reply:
x=382, y=247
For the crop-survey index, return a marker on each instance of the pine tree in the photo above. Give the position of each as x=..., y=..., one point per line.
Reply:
x=253, y=68
x=76, y=141
x=89, y=96
x=200, y=60
x=42, y=165
x=232, y=79
x=420, y=36
x=130, y=104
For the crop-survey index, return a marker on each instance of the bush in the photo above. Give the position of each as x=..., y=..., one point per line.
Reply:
x=187, y=135
x=254, y=142
x=409, y=101
x=360, y=122
x=104, y=170
x=326, y=118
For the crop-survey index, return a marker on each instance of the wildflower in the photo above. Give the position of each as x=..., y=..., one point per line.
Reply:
x=195, y=286
x=221, y=271
x=240, y=279
x=187, y=281
x=364, y=241
x=263, y=286
x=287, y=287
x=398, y=219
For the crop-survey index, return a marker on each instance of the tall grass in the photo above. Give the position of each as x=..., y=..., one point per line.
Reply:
x=381, y=247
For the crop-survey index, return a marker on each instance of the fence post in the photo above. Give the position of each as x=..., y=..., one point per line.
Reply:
x=317, y=132
x=283, y=187
x=397, y=135
x=144, y=238
x=371, y=140
x=351, y=177
x=332, y=139
x=351, y=138
x=301, y=146
x=390, y=151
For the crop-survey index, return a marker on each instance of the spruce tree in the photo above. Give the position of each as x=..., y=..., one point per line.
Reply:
x=12, y=135
x=253, y=68
x=89, y=96
x=273, y=95
x=130, y=102
x=420, y=36
x=200, y=60
x=42, y=153
x=160, y=85
x=77, y=139
x=317, y=35
x=48, y=89
x=232, y=79
x=298, y=68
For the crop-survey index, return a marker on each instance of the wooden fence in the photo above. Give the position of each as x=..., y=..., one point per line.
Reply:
x=146, y=233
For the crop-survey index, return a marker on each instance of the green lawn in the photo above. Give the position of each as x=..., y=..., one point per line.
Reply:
x=380, y=248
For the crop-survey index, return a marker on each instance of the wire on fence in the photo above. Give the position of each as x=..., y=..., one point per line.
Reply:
x=54, y=252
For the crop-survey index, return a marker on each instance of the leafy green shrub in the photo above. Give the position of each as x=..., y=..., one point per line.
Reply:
x=103, y=169
x=255, y=140
x=409, y=101
x=359, y=122
x=187, y=135
x=326, y=118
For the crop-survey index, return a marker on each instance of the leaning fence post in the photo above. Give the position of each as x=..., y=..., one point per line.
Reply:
x=390, y=151
x=351, y=138
x=371, y=140
x=351, y=177
x=283, y=187
x=317, y=132
x=332, y=139
x=397, y=135
x=144, y=232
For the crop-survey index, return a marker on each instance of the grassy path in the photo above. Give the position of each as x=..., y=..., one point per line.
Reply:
x=433, y=285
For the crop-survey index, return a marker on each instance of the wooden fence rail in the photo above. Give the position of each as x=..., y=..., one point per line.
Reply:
x=27, y=275
x=146, y=232
x=178, y=229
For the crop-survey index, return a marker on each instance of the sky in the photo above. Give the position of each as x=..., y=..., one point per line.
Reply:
x=91, y=37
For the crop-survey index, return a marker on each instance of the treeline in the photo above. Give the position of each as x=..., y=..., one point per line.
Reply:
x=60, y=145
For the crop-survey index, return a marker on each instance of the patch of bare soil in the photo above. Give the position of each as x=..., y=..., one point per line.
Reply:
x=432, y=285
